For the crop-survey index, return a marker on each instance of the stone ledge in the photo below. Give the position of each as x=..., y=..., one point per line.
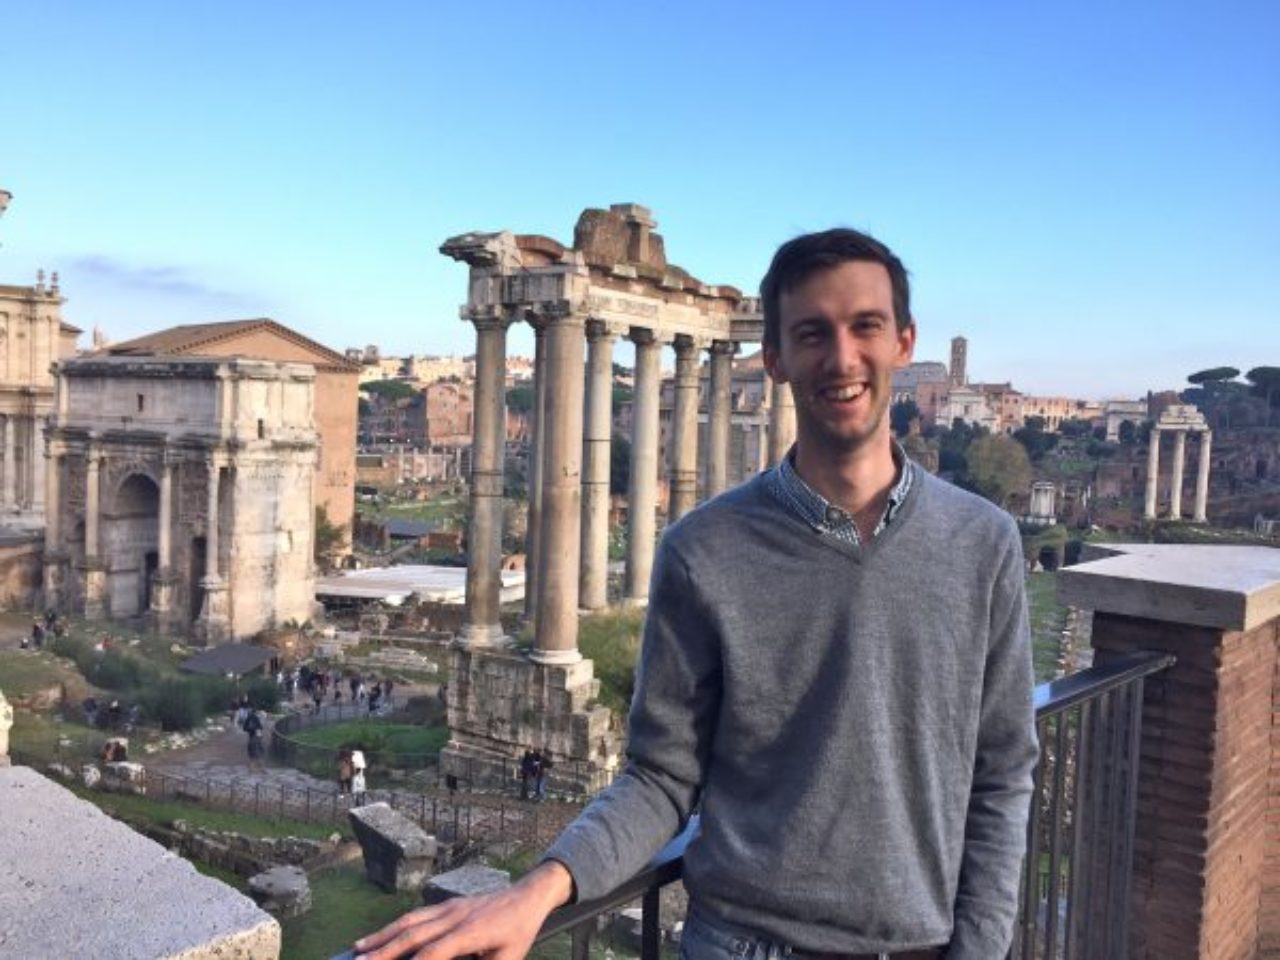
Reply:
x=1223, y=587
x=75, y=892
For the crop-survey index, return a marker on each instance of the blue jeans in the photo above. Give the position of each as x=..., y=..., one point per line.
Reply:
x=708, y=938
x=705, y=938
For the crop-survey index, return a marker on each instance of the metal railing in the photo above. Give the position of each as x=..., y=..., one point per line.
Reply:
x=1074, y=894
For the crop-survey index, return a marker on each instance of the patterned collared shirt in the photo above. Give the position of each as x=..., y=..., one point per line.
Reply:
x=825, y=517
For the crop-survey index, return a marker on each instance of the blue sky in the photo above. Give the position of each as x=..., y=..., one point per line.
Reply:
x=1089, y=192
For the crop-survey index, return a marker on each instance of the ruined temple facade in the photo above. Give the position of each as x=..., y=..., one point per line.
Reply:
x=181, y=491
x=613, y=282
x=32, y=338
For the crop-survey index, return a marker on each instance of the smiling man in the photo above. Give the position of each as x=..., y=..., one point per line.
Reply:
x=836, y=671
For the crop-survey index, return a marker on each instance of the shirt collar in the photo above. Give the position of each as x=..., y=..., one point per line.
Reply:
x=815, y=510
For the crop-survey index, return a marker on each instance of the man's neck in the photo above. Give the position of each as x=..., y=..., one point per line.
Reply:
x=857, y=481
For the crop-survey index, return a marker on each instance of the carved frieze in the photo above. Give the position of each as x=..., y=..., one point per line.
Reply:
x=191, y=484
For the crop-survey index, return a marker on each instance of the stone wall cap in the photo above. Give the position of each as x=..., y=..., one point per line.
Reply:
x=1224, y=587
x=87, y=888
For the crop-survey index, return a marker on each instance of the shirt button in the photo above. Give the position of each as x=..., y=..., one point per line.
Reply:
x=835, y=515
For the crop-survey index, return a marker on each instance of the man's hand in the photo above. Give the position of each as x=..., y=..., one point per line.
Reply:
x=498, y=926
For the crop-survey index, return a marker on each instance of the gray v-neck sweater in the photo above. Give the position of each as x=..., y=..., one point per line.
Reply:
x=855, y=724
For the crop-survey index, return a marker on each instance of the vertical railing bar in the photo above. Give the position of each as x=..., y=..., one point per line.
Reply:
x=1114, y=793
x=1082, y=715
x=1055, y=837
x=1031, y=893
x=1131, y=814
x=581, y=940
x=650, y=938
x=1093, y=831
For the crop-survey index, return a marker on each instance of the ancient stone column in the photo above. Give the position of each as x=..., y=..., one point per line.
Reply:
x=91, y=493
x=596, y=448
x=37, y=468
x=642, y=498
x=6, y=724
x=9, y=472
x=95, y=577
x=1202, y=477
x=533, y=524
x=556, y=631
x=719, y=410
x=1153, y=474
x=484, y=536
x=162, y=583
x=782, y=422
x=684, y=430
x=211, y=522
x=52, y=518
x=1179, y=464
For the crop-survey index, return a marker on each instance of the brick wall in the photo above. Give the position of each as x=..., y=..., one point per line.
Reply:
x=1203, y=831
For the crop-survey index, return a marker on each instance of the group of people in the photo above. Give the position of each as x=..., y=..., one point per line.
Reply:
x=42, y=629
x=320, y=684
x=351, y=770
x=533, y=773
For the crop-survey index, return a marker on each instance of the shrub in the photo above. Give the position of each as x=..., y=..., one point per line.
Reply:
x=175, y=704
x=263, y=694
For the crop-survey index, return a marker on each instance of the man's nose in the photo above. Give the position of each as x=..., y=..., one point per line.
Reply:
x=845, y=355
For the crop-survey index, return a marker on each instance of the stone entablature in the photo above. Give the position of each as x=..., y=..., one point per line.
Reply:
x=183, y=489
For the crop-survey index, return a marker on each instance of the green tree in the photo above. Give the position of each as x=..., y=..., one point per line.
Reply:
x=521, y=398
x=1128, y=432
x=329, y=539
x=619, y=465
x=1266, y=383
x=389, y=389
x=1213, y=375
x=1075, y=428
x=901, y=414
x=998, y=468
x=1034, y=439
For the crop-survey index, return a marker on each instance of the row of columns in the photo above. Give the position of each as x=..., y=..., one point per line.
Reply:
x=20, y=488
x=1179, y=463
x=567, y=539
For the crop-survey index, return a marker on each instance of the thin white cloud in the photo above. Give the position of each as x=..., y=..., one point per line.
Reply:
x=169, y=281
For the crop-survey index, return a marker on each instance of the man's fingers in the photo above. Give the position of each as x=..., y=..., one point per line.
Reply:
x=409, y=921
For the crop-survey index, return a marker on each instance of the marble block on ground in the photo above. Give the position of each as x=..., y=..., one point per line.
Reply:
x=398, y=854
x=467, y=881
x=282, y=891
x=76, y=883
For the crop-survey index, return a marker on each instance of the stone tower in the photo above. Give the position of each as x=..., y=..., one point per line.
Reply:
x=959, y=354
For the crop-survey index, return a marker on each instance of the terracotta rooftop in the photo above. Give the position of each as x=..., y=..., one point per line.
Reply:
x=190, y=338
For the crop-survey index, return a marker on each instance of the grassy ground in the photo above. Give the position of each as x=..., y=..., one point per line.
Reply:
x=129, y=807
x=376, y=735
x=448, y=511
x=38, y=735
x=1048, y=617
x=612, y=640
x=344, y=906
x=26, y=672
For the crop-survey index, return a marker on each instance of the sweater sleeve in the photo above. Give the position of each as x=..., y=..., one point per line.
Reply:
x=673, y=712
x=995, y=827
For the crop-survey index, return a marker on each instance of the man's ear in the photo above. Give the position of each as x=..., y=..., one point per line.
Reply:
x=906, y=344
x=773, y=363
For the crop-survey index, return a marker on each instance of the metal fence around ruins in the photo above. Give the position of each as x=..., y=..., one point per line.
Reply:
x=322, y=761
x=454, y=819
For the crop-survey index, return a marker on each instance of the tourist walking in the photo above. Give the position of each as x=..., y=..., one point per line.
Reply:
x=345, y=771
x=357, y=777
x=253, y=727
x=528, y=770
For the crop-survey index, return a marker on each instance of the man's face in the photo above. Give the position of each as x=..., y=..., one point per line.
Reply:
x=838, y=348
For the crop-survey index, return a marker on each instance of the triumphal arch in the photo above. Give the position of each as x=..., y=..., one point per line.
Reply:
x=181, y=490
x=613, y=282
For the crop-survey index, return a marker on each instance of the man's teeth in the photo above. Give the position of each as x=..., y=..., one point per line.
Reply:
x=845, y=393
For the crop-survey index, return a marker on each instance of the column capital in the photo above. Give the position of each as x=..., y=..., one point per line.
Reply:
x=489, y=317
x=723, y=347
x=545, y=312
x=645, y=336
x=600, y=330
x=686, y=343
